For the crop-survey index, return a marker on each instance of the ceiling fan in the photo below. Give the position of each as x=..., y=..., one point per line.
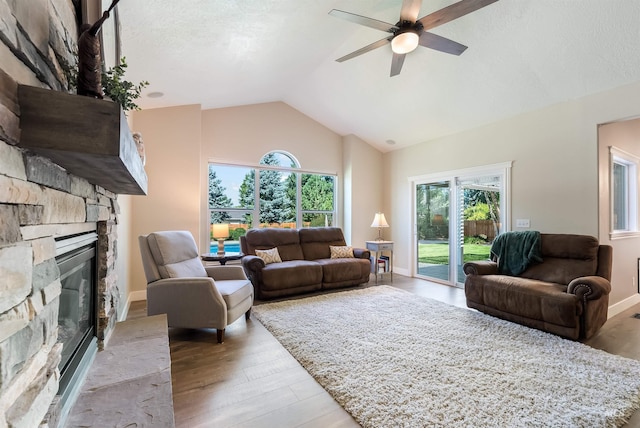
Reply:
x=409, y=32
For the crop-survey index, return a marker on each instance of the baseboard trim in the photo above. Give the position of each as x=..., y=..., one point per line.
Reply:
x=401, y=271
x=623, y=305
x=134, y=296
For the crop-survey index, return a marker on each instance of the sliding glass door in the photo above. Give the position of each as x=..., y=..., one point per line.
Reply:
x=479, y=220
x=457, y=216
x=432, y=215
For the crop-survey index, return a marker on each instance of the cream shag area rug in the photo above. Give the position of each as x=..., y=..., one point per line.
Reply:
x=394, y=359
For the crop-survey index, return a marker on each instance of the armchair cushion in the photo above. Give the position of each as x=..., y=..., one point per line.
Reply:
x=175, y=255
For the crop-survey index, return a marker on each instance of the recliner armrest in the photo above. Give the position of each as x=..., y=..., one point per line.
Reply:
x=225, y=273
x=188, y=302
x=361, y=253
x=481, y=267
x=589, y=287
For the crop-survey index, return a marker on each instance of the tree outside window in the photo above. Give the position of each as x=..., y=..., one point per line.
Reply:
x=217, y=198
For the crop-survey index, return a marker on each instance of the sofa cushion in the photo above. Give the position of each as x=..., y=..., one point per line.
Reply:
x=526, y=298
x=565, y=257
x=291, y=274
x=344, y=270
x=315, y=242
x=286, y=240
x=269, y=256
x=341, y=252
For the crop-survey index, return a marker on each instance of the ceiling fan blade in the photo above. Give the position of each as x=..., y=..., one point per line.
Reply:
x=365, y=49
x=442, y=44
x=410, y=10
x=363, y=20
x=396, y=63
x=452, y=12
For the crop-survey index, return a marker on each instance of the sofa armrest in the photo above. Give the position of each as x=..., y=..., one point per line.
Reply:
x=252, y=263
x=253, y=266
x=481, y=267
x=225, y=273
x=589, y=287
x=361, y=253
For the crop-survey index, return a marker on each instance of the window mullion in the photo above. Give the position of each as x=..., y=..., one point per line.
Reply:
x=256, y=196
x=299, y=200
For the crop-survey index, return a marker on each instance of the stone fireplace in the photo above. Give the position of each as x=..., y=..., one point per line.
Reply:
x=42, y=206
x=34, y=218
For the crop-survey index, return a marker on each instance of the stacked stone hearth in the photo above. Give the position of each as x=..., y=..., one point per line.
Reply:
x=40, y=201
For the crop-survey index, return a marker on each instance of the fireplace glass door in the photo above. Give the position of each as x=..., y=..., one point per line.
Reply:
x=77, y=313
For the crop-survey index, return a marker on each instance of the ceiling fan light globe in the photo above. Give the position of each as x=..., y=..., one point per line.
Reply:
x=405, y=42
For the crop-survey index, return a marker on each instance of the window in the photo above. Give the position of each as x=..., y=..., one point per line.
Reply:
x=285, y=196
x=624, y=193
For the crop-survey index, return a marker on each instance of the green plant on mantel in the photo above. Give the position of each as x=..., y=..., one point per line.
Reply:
x=119, y=90
x=114, y=86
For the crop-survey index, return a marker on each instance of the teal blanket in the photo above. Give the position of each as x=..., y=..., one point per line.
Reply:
x=514, y=251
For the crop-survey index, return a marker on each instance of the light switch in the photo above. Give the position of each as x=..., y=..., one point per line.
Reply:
x=523, y=222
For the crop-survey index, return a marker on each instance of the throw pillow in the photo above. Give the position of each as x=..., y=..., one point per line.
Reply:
x=338, y=252
x=269, y=256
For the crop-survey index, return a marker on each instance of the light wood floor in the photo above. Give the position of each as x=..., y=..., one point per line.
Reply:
x=252, y=381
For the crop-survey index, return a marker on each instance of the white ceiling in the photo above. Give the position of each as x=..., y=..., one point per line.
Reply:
x=522, y=55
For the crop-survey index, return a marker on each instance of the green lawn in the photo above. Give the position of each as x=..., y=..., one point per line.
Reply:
x=439, y=253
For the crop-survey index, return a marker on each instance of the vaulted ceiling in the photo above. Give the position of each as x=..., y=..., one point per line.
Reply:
x=522, y=55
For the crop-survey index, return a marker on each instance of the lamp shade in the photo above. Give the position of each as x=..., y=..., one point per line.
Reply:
x=379, y=221
x=220, y=231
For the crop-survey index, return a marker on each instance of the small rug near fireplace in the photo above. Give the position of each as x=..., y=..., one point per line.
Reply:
x=392, y=358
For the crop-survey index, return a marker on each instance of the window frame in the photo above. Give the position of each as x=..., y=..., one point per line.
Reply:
x=630, y=162
x=255, y=211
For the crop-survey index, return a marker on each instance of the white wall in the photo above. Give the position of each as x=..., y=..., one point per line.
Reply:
x=555, y=166
x=363, y=194
x=172, y=141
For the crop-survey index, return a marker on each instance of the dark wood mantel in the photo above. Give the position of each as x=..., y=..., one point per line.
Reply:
x=88, y=137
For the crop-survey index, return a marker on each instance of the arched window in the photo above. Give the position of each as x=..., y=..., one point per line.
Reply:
x=280, y=158
x=287, y=195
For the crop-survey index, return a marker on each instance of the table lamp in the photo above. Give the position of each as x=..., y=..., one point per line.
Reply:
x=379, y=221
x=220, y=232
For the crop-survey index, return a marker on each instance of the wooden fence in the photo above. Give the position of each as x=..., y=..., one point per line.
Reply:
x=480, y=227
x=233, y=226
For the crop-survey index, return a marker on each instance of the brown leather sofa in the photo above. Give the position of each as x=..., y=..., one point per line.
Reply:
x=306, y=264
x=566, y=294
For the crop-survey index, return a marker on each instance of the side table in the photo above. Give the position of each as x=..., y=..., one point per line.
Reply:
x=222, y=259
x=379, y=248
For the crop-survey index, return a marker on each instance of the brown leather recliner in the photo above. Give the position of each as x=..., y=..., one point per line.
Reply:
x=566, y=294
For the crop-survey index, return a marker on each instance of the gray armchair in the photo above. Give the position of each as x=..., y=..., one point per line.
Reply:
x=191, y=295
